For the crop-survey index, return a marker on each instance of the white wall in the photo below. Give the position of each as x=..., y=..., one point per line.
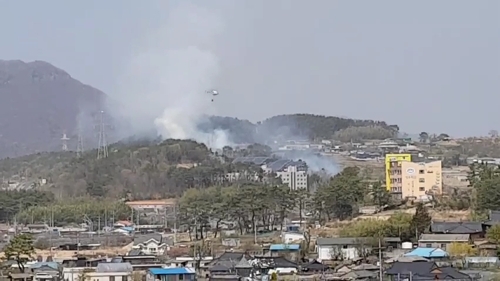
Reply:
x=291, y=237
x=325, y=252
x=73, y=274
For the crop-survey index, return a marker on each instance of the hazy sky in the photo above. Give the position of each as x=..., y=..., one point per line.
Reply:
x=425, y=65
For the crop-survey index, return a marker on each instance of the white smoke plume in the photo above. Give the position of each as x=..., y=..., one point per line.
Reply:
x=168, y=78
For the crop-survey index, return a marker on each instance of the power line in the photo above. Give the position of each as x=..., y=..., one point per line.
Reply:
x=102, y=150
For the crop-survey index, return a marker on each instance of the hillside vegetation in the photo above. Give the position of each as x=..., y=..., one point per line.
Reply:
x=303, y=126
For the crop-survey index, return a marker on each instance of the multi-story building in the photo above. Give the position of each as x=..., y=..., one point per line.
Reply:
x=295, y=176
x=393, y=170
x=419, y=180
x=292, y=173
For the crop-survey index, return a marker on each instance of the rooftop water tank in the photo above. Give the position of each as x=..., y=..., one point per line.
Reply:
x=407, y=245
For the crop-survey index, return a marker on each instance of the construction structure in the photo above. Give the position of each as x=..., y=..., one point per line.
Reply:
x=102, y=149
x=64, y=140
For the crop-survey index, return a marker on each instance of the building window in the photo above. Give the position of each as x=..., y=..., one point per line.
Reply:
x=443, y=246
x=428, y=245
x=124, y=278
x=111, y=278
x=421, y=188
x=421, y=180
x=421, y=171
x=181, y=276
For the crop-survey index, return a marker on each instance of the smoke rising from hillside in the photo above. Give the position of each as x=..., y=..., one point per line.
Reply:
x=167, y=79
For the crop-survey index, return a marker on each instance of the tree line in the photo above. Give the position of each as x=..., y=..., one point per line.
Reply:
x=265, y=206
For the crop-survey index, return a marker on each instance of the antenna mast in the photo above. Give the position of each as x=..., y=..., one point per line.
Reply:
x=102, y=150
x=64, y=140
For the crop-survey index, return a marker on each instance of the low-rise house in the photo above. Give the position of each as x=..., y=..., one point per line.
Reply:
x=486, y=248
x=290, y=237
x=152, y=244
x=46, y=270
x=441, y=241
x=268, y=265
x=290, y=250
x=474, y=229
x=428, y=253
x=424, y=271
x=103, y=272
x=349, y=248
x=225, y=265
x=171, y=274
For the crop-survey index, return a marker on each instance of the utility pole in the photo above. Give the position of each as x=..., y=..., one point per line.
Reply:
x=175, y=222
x=102, y=150
x=381, y=273
x=255, y=232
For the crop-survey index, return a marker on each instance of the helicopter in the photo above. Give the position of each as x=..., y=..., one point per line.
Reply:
x=213, y=93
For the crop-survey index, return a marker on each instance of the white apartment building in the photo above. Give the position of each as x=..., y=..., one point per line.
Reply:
x=294, y=176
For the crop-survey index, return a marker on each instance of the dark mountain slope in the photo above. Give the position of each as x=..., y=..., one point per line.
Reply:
x=38, y=102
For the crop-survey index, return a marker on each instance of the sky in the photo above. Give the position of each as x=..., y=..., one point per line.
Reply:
x=424, y=65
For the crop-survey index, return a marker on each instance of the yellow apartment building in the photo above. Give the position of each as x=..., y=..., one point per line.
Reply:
x=420, y=179
x=393, y=169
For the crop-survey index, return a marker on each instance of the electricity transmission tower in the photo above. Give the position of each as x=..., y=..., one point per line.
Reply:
x=64, y=140
x=79, y=145
x=102, y=149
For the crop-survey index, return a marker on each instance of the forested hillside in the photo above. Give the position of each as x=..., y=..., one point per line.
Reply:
x=303, y=126
x=144, y=170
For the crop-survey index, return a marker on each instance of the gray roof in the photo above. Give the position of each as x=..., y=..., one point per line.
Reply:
x=141, y=239
x=351, y=240
x=252, y=160
x=405, y=268
x=456, y=227
x=114, y=267
x=444, y=237
x=243, y=263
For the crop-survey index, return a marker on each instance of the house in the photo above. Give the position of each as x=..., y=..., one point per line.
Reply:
x=486, y=248
x=428, y=253
x=46, y=270
x=284, y=249
x=171, y=274
x=268, y=265
x=152, y=244
x=424, y=271
x=290, y=237
x=474, y=229
x=441, y=240
x=108, y=272
x=349, y=248
x=225, y=264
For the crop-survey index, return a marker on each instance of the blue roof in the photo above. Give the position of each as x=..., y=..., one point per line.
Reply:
x=428, y=253
x=284, y=247
x=171, y=271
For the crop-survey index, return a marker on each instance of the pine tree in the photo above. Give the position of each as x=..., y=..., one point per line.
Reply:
x=421, y=221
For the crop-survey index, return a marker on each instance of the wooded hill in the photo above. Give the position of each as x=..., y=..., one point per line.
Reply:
x=141, y=169
x=304, y=126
